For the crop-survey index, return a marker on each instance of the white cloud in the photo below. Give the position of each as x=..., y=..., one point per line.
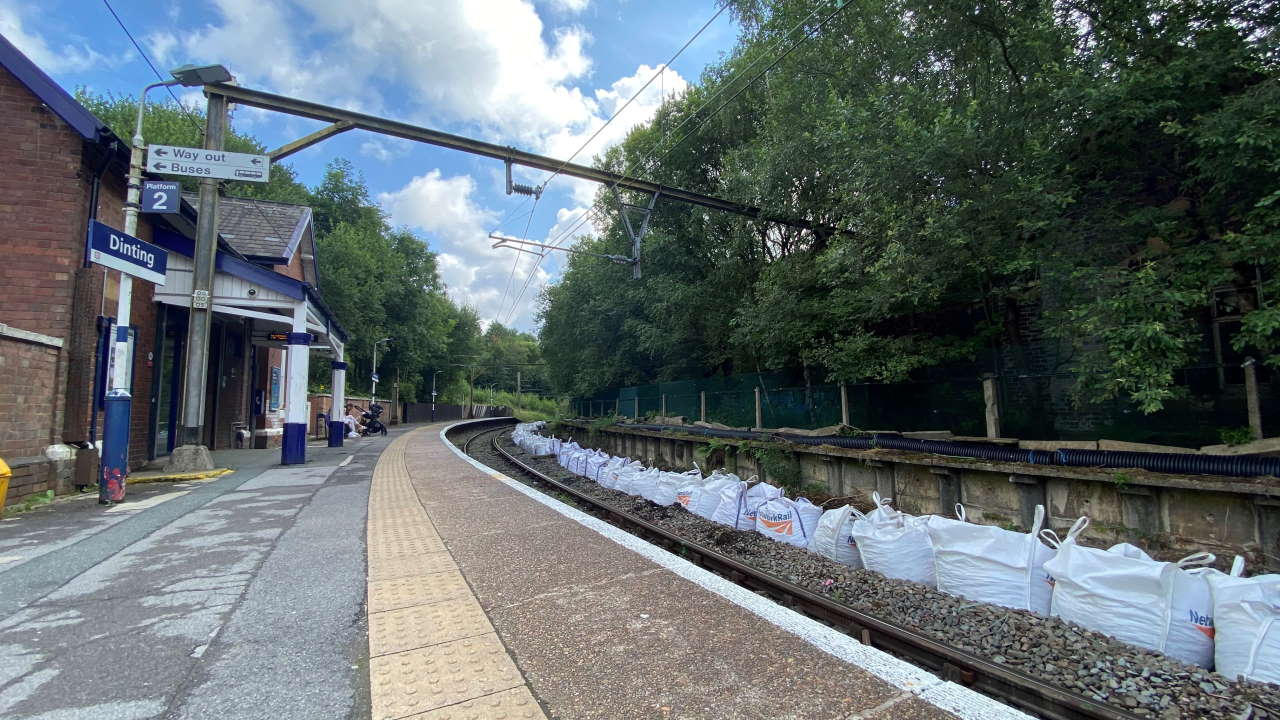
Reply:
x=571, y=6
x=476, y=273
x=162, y=46
x=384, y=149
x=70, y=57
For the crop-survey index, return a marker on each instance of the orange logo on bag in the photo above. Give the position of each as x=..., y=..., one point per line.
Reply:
x=1203, y=623
x=782, y=527
x=683, y=498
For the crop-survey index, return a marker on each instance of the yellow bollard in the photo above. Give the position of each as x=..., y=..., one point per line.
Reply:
x=5, y=474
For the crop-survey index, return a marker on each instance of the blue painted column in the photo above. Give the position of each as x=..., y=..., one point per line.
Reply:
x=294, y=450
x=337, y=428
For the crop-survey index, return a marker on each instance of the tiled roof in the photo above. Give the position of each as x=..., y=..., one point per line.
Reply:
x=259, y=229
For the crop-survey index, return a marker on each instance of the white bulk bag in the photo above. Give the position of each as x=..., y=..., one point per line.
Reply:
x=832, y=538
x=789, y=521
x=738, y=503
x=615, y=478
x=603, y=472
x=664, y=491
x=642, y=482
x=704, y=503
x=752, y=499
x=564, y=452
x=1127, y=595
x=1245, y=615
x=594, y=462
x=991, y=564
x=895, y=545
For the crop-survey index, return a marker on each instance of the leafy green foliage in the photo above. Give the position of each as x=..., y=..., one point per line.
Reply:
x=1105, y=167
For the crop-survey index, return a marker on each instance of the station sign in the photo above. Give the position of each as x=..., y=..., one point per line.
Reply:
x=198, y=162
x=114, y=249
x=161, y=196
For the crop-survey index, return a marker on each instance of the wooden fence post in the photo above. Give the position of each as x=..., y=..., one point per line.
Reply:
x=759, y=413
x=702, y=405
x=844, y=404
x=992, y=400
x=1251, y=397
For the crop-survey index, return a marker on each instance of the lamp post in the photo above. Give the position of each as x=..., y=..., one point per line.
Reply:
x=374, y=395
x=433, y=394
x=119, y=401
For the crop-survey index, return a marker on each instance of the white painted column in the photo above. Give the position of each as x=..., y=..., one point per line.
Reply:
x=337, y=430
x=294, y=450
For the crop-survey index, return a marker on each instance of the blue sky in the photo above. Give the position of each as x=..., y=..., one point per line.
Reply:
x=541, y=75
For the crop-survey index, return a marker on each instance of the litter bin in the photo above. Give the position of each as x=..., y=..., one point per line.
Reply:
x=5, y=474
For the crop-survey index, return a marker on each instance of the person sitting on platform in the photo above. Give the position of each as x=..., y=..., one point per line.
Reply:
x=354, y=428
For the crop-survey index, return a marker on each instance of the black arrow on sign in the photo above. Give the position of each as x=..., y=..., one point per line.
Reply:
x=159, y=166
x=161, y=152
x=257, y=161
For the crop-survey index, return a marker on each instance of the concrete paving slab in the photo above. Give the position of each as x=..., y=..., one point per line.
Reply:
x=416, y=590
x=424, y=625
x=515, y=704
x=391, y=568
x=415, y=681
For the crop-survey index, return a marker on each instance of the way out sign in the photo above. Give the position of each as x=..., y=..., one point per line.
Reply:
x=111, y=248
x=198, y=162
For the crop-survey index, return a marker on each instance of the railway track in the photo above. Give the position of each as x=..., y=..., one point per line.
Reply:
x=1002, y=683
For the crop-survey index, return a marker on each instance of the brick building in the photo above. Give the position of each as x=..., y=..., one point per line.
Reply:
x=64, y=169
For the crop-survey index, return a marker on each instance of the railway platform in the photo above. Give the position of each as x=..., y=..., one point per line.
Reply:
x=490, y=599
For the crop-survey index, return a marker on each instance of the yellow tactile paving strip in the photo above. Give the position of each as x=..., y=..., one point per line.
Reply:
x=433, y=654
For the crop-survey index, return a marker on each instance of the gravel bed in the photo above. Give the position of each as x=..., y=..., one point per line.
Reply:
x=1139, y=681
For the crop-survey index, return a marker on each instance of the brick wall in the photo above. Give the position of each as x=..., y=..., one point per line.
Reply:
x=29, y=400
x=42, y=208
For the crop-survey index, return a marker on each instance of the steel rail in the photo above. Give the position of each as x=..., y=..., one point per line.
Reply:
x=997, y=681
x=344, y=120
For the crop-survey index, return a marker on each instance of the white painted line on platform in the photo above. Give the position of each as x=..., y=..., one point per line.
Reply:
x=344, y=462
x=144, y=504
x=948, y=696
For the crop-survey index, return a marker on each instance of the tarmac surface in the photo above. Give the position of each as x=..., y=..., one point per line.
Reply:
x=240, y=596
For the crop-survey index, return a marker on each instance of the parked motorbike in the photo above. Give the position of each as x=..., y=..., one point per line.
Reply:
x=371, y=419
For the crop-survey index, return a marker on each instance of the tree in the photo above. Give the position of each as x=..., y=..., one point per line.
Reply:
x=1075, y=180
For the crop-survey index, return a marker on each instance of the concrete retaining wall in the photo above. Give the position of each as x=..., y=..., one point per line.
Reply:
x=1170, y=516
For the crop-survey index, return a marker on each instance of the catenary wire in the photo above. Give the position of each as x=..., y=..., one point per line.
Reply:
x=597, y=208
x=659, y=73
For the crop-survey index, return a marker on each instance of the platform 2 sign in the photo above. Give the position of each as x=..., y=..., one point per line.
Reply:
x=161, y=196
x=198, y=162
x=111, y=248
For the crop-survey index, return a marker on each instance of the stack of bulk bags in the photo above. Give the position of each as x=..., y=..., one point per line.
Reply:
x=990, y=564
x=739, y=502
x=895, y=544
x=789, y=521
x=704, y=501
x=1246, y=616
x=1123, y=593
x=664, y=491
